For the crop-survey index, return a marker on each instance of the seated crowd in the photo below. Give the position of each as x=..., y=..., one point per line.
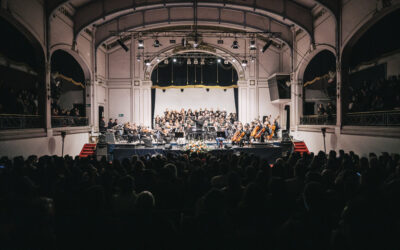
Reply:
x=12, y=101
x=184, y=118
x=201, y=201
x=374, y=96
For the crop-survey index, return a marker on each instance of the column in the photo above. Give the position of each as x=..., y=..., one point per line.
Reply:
x=47, y=113
x=338, y=93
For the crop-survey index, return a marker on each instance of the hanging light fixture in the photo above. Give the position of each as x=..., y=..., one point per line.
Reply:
x=235, y=44
x=140, y=44
x=195, y=61
x=253, y=45
x=147, y=62
x=174, y=60
x=202, y=62
x=244, y=63
x=166, y=61
x=138, y=58
x=157, y=43
x=189, y=61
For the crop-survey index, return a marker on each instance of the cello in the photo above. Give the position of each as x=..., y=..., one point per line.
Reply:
x=272, y=127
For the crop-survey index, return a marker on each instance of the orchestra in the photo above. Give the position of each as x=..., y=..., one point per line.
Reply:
x=199, y=125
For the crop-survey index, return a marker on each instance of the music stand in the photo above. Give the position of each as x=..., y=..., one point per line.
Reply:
x=179, y=135
x=221, y=134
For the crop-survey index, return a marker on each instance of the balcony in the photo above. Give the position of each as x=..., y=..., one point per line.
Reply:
x=11, y=121
x=377, y=118
x=318, y=120
x=68, y=121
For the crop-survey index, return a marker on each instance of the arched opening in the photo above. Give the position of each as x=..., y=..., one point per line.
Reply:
x=67, y=91
x=194, y=81
x=22, y=80
x=319, y=88
x=371, y=82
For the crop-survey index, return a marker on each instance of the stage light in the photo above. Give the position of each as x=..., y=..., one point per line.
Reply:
x=253, y=45
x=189, y=61
x=174, y=60
x=244, y=63
x=166, y=61
x=122, y=44
x=195, y=61
x=235, y=45
x=157, y=43
x=140, y=44
x=147, y=62
x=218, y=60
x=266, y=46
x=202, y=62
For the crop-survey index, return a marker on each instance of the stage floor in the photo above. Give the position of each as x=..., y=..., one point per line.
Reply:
x=267, y=151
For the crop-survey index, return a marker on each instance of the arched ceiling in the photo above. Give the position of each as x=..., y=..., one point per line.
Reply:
x=276, y=16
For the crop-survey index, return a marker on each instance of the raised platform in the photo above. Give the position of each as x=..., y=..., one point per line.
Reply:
x=266, y=151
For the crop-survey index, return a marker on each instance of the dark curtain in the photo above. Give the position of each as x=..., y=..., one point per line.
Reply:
x=153, y=101
x=236, y=94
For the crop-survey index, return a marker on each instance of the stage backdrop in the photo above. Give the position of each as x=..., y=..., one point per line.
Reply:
x=194, y=98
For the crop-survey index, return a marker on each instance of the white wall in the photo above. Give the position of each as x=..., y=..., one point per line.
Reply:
x=361, y=145
x=194, y=98
x=44, y=146
x=119, y=104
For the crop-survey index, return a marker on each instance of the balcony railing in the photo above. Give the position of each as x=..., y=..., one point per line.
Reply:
x=377, y=118
x=11, y=121
x=68, y=121
x=318, y=120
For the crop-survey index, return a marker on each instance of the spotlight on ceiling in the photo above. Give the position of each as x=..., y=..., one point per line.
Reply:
x=166, y=61
x=189, y=61
x=266, y=46
x=253, y=45
x=147, y=62
x=163, y=90
x=219, y=60
x=140, y=44
x=122, y=44
x=157, y=43
x=181, y=90
x=202, y=62
x=207, y=89
x=235, y=45
x=244, y=63
x=195, y=61
x=174, y=60
x=195, y=43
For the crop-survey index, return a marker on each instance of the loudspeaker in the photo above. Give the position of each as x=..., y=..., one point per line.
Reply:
x=110, y=138
x=148, y=143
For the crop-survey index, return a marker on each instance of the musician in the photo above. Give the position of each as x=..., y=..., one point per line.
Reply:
x=115, y=123
x=110, y=124
x=102, y=125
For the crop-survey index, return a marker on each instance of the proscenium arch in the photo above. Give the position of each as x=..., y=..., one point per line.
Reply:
x=80, y=60
x=290, y=12
x=103, y=31
x=241, y=72
x=299, y=75
x=364, y=26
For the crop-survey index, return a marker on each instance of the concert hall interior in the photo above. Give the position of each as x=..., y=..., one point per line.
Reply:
x=200, y=115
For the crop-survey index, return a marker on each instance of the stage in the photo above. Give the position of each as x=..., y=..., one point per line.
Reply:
x=266, y=151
